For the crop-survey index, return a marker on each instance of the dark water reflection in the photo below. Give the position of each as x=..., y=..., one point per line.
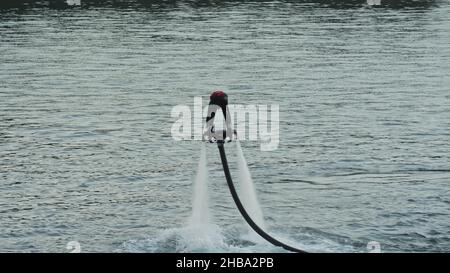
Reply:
x=170, y=4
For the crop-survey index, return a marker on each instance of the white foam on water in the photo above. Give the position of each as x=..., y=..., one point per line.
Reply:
x=180, y=240
x=247, y=190
x=216, y=239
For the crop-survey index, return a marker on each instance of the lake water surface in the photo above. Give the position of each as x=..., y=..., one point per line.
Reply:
x=86, y=152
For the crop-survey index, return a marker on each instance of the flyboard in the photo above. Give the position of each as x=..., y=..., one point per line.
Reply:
x=219, y=100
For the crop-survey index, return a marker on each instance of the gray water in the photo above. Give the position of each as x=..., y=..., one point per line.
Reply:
x=86, y=152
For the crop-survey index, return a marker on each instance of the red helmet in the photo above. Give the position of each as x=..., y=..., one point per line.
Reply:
x=219, y=98
x=218, y=93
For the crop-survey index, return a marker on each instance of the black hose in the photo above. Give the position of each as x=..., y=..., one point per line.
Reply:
x=241, y=208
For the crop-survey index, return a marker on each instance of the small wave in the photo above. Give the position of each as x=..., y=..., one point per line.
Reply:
x=393, y=172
